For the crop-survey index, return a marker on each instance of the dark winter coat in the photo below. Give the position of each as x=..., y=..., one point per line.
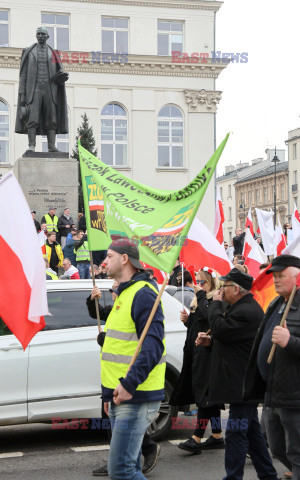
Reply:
x=173, y=277
x=27, y=85
x=61, y=225
x=82, y=224
x=194, y=378
x=233, y=335
x=238, y=243
x=283, y=385
x=68, y=250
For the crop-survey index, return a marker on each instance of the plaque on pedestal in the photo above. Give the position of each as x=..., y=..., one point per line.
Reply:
x=49, y=181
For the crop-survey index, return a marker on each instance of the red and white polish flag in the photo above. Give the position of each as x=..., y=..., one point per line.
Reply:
x=201, y=249
x=249, y=222
x=254, y=254
x=219, y=220
x=279, y=240
x=23, y=297
x=296, y=213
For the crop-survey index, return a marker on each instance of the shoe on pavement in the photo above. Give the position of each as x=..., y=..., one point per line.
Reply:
x=191, y=446
x=213, y=442
x=101, y=472
x=191, y=413
x=151, y=459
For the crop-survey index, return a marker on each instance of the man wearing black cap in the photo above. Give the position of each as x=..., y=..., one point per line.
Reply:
x=232, y=336
x=131, y=399
x=279, y=381
x=36, y=223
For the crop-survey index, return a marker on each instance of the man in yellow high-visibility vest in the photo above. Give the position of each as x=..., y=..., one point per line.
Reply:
x=131, y=400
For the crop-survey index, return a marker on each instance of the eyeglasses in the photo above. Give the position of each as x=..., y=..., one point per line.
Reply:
x=230, y=285
x=201, y=282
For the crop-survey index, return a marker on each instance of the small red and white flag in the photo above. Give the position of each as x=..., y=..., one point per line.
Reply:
x=254, y=254
x=249, y=222
x=219, y=219
x=201, y=249
x=279, y=240
x=23, y=297
x=296, y=213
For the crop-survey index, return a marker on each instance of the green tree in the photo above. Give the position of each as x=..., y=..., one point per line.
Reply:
x=86, y=135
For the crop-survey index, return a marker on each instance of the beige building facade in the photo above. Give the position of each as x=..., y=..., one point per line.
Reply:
x=293, y=144
x=153, y=118
x=257, y=191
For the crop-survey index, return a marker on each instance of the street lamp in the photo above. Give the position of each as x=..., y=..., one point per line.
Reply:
x=275, y=160
x=242, y=205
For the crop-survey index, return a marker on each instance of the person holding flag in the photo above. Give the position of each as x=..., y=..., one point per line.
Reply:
x=131, y=398
x=278, y=378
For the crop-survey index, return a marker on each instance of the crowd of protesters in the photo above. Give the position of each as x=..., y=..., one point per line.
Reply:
x=67, y=255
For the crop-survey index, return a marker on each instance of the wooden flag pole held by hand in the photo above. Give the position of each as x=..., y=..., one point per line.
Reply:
x=283, y=319
x=96, y=299
x=147, y=326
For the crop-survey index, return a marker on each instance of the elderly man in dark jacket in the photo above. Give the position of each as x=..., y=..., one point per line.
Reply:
x=280, y=380
x=232, y=336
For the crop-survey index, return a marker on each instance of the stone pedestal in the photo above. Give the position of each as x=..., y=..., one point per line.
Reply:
x=47, y=182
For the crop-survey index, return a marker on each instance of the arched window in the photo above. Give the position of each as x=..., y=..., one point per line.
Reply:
x=4, y=132
x=62, y=140
x=170, y=137
x=114, y=135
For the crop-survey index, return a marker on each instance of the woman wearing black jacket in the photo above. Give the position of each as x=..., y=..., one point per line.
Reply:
x=194, y=379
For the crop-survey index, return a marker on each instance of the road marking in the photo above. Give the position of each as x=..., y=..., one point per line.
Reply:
x=93, y=448
x=11, y=454
x=176, y=442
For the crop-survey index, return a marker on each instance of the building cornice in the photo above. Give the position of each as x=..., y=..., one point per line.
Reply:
x=134, y=65
x=179, y=4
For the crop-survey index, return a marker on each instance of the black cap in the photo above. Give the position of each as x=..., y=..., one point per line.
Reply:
x=282, y=262
x=125, y=245
x=242, y=279
x=33, y=211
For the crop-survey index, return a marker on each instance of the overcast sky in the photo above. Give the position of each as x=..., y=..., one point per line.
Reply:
x=260, y=100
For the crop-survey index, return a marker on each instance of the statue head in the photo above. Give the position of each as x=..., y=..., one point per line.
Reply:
x=42, y=35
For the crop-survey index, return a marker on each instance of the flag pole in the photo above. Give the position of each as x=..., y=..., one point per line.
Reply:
x=96, y=298
x=150, y=318
x=283, y=319
x=182, y=286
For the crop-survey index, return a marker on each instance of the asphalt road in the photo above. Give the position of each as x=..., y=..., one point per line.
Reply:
x=38, y=452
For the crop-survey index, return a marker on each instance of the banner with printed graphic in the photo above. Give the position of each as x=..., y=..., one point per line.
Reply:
x=157, y=220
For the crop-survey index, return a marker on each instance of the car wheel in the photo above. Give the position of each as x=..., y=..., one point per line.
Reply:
x=162, y=423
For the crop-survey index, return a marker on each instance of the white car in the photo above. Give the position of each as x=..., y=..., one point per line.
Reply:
x=58, y=376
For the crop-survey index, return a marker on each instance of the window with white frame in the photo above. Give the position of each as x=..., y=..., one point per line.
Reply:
x=294, y=151
x=257, y=197
x=4, y=132
x=4, y=30
x=114, y=35
x=62, y=140
x=114, y=142
x=170, y=137
x=250, y=198
x=221, y=193
x=229, y=214
x=265, y=195
x=229, y=191
x=282, y=191
x=169, y=37
x=295, y=177
x=57, y=25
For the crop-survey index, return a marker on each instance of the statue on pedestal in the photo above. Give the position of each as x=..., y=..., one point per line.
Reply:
x=42, y=102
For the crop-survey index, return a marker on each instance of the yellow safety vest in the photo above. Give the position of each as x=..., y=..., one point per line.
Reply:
x=82, y=254
x=51, y=224
x=52, y=275
x=58, y=252
x=121, y=341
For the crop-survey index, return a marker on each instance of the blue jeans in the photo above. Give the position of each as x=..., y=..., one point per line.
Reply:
x=243, y=434
x=129, y=422
x=83, y=269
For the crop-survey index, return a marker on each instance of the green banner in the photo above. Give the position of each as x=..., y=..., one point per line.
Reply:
x=157, y=220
